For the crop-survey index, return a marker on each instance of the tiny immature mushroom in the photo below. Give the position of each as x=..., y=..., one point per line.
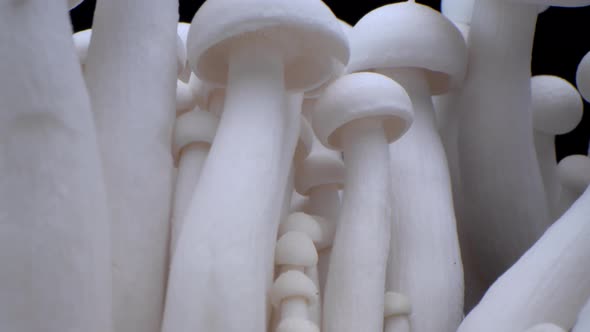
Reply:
x=304, y=223
x=557, y=109
x=397, y=311
x=360, y=114
x=54, y=223
x=574, y=176
x=548, y=283
x=193, y=135
x=248, y=48
x=431, y=60
x=292, y=294
x=295, y=251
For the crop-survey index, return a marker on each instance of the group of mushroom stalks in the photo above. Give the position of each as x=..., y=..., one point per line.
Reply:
x=268, y=167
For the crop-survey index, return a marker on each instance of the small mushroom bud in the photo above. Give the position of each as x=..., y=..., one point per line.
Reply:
x=397, y=311
x=295, y=251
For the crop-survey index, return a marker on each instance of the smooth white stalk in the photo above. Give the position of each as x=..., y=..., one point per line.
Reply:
x=547, y=284
x=131, y=77
x=54, y=224
x=505, y=206
x=583, y=321
x=356, y=281
x=228, y=226
x=574, y=176
x=424, y=240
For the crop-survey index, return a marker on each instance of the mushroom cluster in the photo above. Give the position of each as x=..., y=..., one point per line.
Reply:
x=270, y=168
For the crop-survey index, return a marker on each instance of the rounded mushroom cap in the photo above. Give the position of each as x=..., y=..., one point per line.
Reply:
x=196, y=126
x=458, y=11
x=556, y=104
x=296, y=249
x=74, y=3
x=304, y=143
x=417, y=36
x=322, y=167
x=574, y=172
x=583, y=77
x=361, y=96
x=297, y=325
x=81, y=43
x=305, y=31
x=396, y=304
x=293, y=284
x=545, y=327
x=304, y=223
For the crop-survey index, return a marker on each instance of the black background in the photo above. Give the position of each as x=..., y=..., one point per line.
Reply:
x=560, y=44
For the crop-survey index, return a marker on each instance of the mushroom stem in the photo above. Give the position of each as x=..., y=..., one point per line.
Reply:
x=550, y=269
x=134, y=117
x=295, y=307
x=324, y=201
x=424, y=239
x=233, y=216
x=54, y=228
x=583, y=322
x=356, y=281
x=545, y=149
x=505, y=205
x=190, y=166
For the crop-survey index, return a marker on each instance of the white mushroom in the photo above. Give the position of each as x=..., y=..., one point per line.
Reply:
x=131, y=73
x=54, y=223
x=424, y=231
x=557, y=109
x=545, y=327
x=360, y=114
x=232, y=221
x=583, y=321
x=292, y=293
x=547, y=284
x=193, y=135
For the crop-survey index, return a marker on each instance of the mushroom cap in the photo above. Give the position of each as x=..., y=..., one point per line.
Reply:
x=74, y=3
x=296, y=249
x=458, y=11
x=545, y=327
x=196, y=126
x=556, y=104
x=306, y=32
x=304, y=143
x=304, y=223
x=293, y=284
x=396, y=304
x=184, y=97
x=81, y=43
x=405, y=34
x=321, y=167
x=297, y=325
x=583, y=77
x=574, y=172
x=361, y=96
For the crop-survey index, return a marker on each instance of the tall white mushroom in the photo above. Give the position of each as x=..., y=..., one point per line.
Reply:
x=549, y=283
x=193, y=135
x=505, y=207
x=557, y=109
x=430, y=59
x=360, y=114
x=131, y=73
x=583, y=321
x=54, y=225
x=259, y=50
